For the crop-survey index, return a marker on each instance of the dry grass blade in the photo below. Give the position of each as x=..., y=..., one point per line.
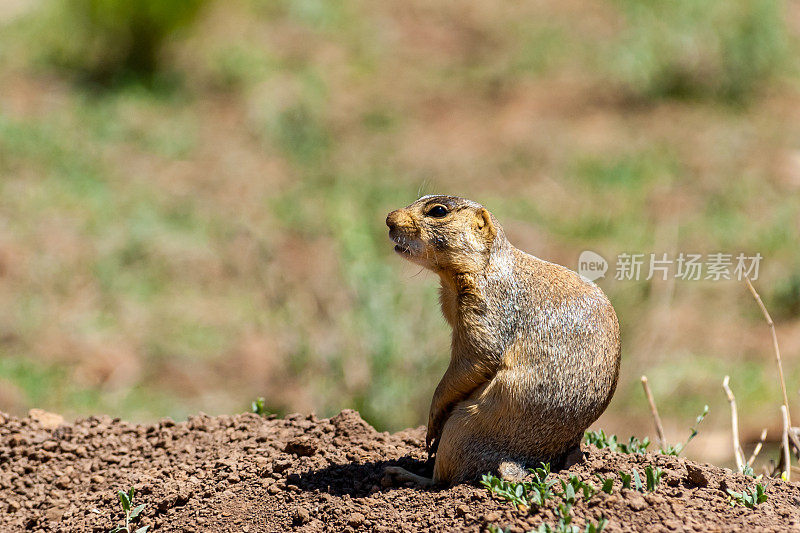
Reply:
x=771, y=325
x=785, y=462
x=662, y=442
x=787, y=471
x=737, y=447
x=757, y=449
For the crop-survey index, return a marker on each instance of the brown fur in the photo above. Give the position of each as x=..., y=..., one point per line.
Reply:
x=535, y=348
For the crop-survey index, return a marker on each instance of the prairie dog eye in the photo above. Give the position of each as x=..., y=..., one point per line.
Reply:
x=437, y=211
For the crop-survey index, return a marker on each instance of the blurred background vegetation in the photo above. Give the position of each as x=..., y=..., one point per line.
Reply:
x=193, y=193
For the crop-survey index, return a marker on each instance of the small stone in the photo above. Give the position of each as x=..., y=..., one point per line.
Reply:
x=273, y=489
x=355, y=519
x=654, y=499
x=281, y=465
x=63, y=482
x=49, y=445
x=302, y=516
x=54, y=514
x=695, y=475
x=492, y=516
x=462, y=510
x=636, y=502
x=45, y=419
x=301, y=447
x=227, y=464
x=17, y=440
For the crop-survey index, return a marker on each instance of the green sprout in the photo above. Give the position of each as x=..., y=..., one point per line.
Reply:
x=259, y=406
x=575, y=485
x=601, y=440
x=531, y=495
x=678, y=448
x=528, y=494
x=564, y=525
x=131, y=513
x=750, y=498
x=652, y=477
x=606, y=483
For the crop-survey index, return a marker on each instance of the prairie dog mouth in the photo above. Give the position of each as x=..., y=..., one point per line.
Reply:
x=402, y=246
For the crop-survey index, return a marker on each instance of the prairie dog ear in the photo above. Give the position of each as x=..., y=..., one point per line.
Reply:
x=484, y=222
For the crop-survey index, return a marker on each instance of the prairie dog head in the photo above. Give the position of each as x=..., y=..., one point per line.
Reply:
x=444, y=233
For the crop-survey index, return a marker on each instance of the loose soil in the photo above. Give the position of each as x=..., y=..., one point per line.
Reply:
x=247, y=473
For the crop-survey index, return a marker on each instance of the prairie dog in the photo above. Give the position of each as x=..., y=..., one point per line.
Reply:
x=535, y=348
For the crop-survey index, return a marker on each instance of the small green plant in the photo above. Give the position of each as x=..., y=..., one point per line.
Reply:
x=637, y=482
x=511, y=492
x=131, y=513
x=535, y=493
x=259, y=406
x=678, y=448
x=497, y=529
x=575, y=485
x=542, y=487
x=527, y=494
x=601, y=440
x=564, y=513
x=569, y=492
x=606, y=483
x=588, y=491
x=747, y=470
x=652, y=477
x=596, y=527
x=750, y=497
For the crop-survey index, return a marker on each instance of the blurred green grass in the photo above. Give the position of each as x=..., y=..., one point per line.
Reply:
x=172, y=248
x=668, y=51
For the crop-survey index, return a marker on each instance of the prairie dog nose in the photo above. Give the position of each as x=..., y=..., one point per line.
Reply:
x=399, y=217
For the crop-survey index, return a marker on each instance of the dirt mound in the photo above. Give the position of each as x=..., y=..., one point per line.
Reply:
x=247, y=473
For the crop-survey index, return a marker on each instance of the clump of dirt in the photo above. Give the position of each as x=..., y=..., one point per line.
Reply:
x=247, y=473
